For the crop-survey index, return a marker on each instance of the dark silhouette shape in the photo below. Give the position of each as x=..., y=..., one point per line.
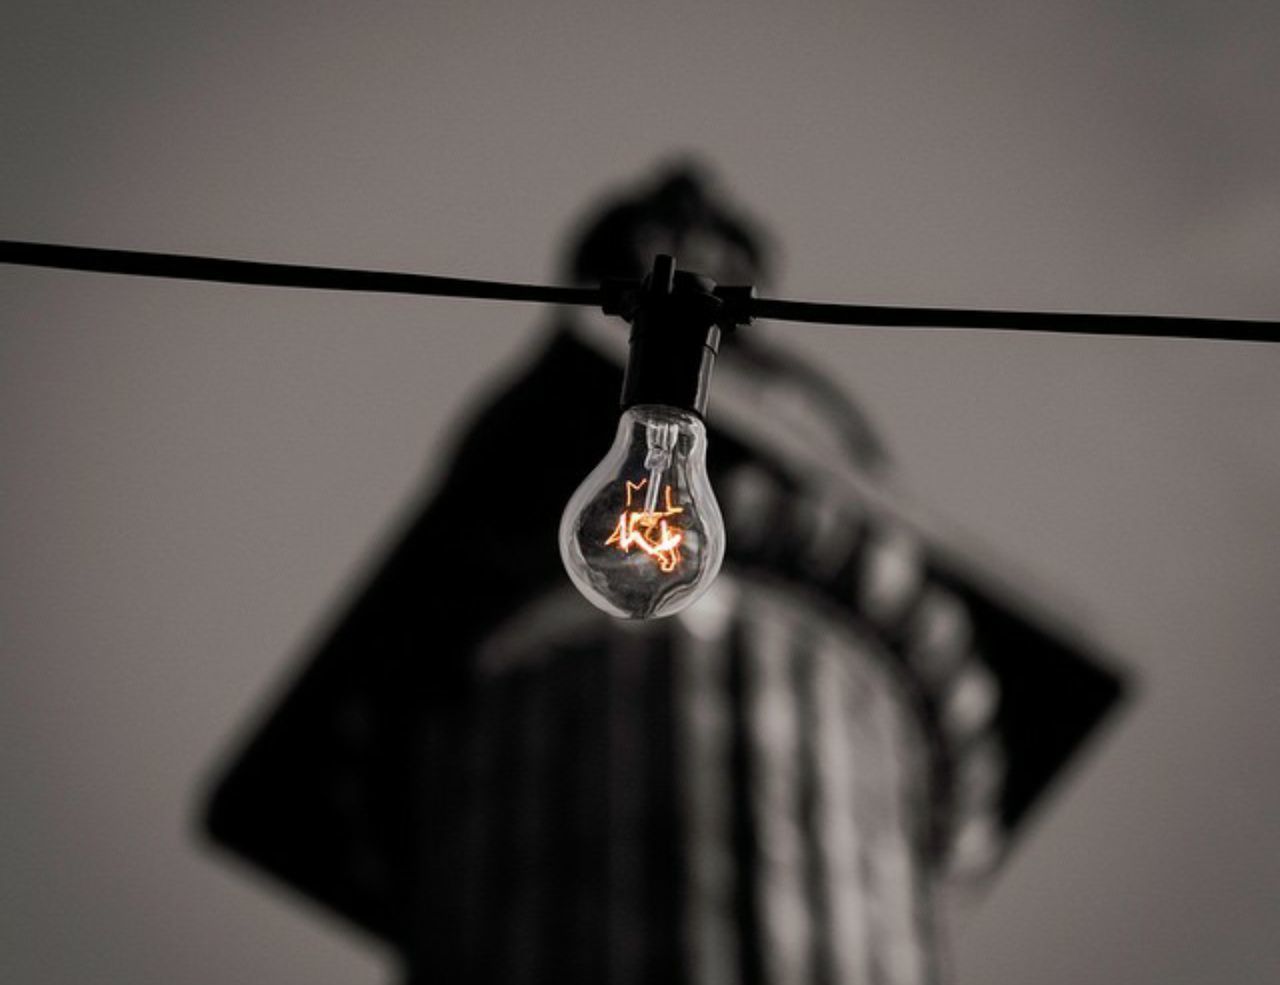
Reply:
x=507, y=786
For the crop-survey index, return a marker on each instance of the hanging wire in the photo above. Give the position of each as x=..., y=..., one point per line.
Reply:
x=1160, y=326
x=182, y=267
x=375, y=281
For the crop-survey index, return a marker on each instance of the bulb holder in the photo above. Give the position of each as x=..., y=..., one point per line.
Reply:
x=675, y=336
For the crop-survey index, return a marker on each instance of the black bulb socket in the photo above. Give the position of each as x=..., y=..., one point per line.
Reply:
x=674, y=340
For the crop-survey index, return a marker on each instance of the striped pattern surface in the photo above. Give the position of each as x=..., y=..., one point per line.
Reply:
x=734, y=796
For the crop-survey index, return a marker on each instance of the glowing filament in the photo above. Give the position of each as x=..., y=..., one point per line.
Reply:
x=649, y=530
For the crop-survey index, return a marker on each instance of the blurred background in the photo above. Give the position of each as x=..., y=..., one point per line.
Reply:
x=195, y=475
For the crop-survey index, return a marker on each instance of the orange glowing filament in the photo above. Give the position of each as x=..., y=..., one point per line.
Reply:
x=649, y=530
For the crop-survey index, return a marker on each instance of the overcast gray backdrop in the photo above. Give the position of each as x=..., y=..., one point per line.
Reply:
x=193, y=474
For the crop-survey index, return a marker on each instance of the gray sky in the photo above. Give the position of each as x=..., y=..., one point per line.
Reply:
x=193, y=474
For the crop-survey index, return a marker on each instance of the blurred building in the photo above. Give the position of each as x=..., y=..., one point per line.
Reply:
x=776, y=786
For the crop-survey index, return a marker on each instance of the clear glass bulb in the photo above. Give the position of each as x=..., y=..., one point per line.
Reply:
x=643, y=537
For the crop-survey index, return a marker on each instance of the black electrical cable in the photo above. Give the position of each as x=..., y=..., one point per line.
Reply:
x=183, y=267
x=1160, y=326
x=747, y=307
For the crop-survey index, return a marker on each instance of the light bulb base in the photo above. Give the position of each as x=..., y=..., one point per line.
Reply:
x=674, y=340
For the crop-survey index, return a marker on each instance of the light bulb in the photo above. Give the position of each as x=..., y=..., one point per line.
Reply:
x=643, y=536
